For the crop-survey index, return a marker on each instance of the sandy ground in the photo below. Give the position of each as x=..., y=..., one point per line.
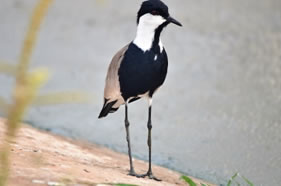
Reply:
x=40, y=158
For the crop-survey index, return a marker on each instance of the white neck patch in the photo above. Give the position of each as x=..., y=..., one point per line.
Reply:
x=148, y=23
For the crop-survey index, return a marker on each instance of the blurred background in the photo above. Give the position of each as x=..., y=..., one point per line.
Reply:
x=219, y=111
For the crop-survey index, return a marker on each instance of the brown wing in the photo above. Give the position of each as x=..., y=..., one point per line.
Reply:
x=112, y=87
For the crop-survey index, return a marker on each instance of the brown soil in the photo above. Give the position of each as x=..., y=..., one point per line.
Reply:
x=41, y=158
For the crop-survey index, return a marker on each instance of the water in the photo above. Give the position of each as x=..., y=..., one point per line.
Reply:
x=219, y=110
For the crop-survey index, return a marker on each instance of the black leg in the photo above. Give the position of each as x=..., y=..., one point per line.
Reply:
x=149, y=126
x=127, y=124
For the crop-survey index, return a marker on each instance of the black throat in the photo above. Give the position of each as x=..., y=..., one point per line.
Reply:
x=155, y=43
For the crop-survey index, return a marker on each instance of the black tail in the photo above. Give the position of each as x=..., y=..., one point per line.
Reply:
x=107, y=108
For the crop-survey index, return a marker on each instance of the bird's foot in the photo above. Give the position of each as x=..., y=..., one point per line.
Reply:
x=133, y=173
x=149, y=175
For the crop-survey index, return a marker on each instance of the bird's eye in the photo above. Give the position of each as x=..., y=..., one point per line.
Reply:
x=155, y=12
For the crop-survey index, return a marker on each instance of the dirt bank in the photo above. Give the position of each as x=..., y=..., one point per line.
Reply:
x=40, y=158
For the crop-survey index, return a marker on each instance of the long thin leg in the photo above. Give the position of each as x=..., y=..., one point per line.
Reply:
x=149, y=127
x=127, y=124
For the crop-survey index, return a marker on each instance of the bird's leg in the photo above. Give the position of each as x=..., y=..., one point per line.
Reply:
x=127, y=124
x=149, y=126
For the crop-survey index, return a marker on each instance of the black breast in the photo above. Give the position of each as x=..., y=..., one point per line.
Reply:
x=141, y=72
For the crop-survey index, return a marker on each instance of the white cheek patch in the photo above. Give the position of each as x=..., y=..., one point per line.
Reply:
x=152, y=20
x=148, y=23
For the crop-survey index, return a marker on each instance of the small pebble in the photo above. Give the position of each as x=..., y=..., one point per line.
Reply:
x=51, y=183
x=38, y=181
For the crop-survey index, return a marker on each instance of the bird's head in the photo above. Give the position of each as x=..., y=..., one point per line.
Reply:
x=155, y=13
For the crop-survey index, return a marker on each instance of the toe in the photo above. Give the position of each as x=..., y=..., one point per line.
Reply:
x=150, y=175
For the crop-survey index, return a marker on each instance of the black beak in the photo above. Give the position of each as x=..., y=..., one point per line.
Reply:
x=172, y=20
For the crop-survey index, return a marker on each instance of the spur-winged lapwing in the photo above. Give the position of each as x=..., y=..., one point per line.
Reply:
x=139, y=69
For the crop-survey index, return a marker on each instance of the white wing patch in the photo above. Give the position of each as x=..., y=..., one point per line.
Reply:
x=155, y=57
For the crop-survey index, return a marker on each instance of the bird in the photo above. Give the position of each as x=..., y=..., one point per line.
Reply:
x=138, y=70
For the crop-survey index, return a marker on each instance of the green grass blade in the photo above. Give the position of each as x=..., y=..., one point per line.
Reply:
x=248, y=181
x=234, y=176
x=188, y=180
x=122, y=184
x=229, y=182
x=231, y=179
